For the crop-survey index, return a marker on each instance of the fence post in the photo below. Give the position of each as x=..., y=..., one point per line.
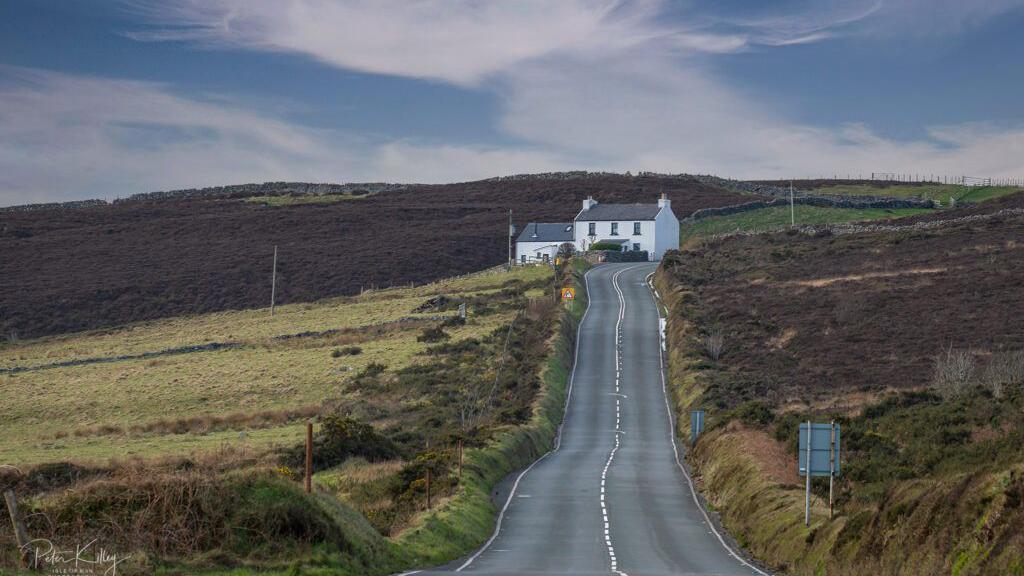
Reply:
x=309, y=457
x=20, y=534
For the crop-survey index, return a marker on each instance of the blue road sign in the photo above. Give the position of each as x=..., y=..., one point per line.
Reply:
x=696, y=425
x=822, y=454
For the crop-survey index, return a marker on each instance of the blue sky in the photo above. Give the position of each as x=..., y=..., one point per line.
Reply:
x=105, y=99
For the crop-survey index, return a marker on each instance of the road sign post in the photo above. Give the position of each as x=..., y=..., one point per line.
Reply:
x=696, y=425
x=807, y=466
x=568, y=295
x=819, y=451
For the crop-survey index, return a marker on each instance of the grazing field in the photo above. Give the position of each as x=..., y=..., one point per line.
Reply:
x=253, y=394
x=190, y=460
x=69, y=270
x=927, y=190
x=938, y=192
x=911, y=340
x=778, y=218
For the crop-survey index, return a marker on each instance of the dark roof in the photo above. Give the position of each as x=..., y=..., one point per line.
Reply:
x=619, y=212
x=546, y=232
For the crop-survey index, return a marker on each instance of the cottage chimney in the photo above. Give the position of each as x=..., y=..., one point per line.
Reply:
x=664, y=202
x=589, y=202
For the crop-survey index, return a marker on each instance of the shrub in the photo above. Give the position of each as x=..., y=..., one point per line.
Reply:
x=954, y=369
x=339, y=438
x=435, y=334
x=714, y=344
x=372, y=370
x=1004, y=369
x=612, y=246
x=346, y=351
x=453, y=321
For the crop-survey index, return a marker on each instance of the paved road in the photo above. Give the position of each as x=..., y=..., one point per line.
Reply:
x=612, y=498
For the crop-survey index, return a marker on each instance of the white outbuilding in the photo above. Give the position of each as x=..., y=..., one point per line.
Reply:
x=539, y=242
x=650, y=227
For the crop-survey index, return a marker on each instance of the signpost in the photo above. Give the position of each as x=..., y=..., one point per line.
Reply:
x=819, y=456
x=696, y=425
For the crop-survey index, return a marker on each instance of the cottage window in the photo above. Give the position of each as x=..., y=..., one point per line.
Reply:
x=615, y=228
x=636, y=228
x=636, y=246
x=592, y=229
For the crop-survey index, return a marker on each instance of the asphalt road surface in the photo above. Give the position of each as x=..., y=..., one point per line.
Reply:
x=612, y=498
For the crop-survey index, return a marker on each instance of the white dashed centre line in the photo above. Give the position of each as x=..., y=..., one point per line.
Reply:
x=613, y=560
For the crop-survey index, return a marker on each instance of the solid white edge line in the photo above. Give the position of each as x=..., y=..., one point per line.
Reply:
x=558, y=435
x=675, y=449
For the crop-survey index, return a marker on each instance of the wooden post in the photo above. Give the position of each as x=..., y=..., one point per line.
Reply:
x=460, y=461
x=20, y=535
x=309, y=457
x=273, y=282
x=428, y=486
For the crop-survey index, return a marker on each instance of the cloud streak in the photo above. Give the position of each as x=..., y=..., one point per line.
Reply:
x=583, y=84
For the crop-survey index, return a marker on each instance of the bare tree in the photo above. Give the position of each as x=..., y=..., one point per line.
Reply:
x=714, y=344
x=954, y=371
x=1004, y=370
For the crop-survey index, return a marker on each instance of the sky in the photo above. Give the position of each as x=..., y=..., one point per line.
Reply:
x=107, y=98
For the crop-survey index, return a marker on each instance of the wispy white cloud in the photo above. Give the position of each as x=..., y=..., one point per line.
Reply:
x=67, y=136
x=583, y=84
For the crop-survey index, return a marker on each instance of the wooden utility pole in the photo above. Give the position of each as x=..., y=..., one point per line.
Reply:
x=509, y=239
x=460, y=461
x=309, y=457
x=20, y=535
x=428, y=486
x=792, y=210
x=273, y=282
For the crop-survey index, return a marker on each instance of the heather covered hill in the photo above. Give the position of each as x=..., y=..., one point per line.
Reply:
x=152, y=256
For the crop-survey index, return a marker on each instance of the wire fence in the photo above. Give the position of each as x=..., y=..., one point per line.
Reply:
x=961, y=180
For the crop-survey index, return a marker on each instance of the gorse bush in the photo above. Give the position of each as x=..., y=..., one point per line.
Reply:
x=341, y=437
x=435, y=334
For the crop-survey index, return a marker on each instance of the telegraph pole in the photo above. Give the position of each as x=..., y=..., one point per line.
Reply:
x=273, y=282
x=509, y=239
x=792, y=211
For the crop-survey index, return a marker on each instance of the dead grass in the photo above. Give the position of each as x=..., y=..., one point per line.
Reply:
x=820, y=282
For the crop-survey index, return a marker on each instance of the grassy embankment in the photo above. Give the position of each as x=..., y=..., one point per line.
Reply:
x=938, y=192
x=778, y=218
x=335, y=537
x=845, y=329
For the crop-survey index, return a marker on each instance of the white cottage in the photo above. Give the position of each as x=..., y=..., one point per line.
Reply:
x=539, y=242
x=650, y=227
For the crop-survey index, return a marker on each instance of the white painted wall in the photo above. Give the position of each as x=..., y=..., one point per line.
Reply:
x=646, y=239
x=666, y=231
x=535, y=251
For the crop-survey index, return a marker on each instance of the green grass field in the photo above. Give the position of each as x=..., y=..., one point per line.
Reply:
x=289, y=200
x=130, y=408
x=778, y=218
x=938, y=192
